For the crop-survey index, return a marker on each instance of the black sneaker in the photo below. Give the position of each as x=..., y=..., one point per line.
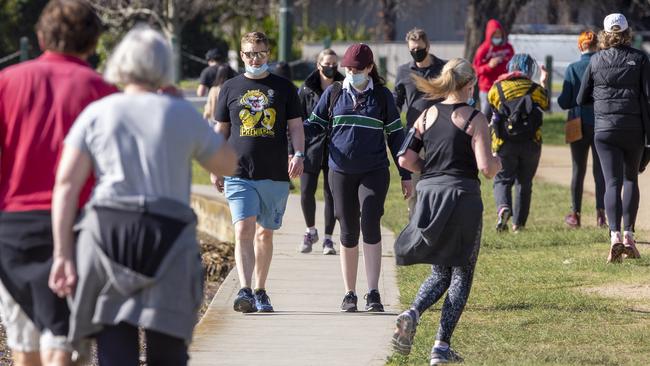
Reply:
x=502, y=219
x=373, y=302
x=349, y=303
x=245, y=301
x=262, y=301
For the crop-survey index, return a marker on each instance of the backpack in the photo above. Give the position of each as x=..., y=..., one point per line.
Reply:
x=519, y=118
x=337, y=87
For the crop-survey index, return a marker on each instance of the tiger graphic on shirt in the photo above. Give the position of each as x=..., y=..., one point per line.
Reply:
x=257, y=118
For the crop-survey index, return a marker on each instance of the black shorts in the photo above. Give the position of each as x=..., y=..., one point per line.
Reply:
x=26, y=246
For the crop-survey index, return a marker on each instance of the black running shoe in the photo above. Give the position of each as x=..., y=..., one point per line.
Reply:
x=349, y=303
x=262, y=301
x=245, y=301
x=373, y=302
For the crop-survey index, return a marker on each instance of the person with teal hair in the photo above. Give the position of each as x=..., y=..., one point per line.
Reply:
x=519, y=154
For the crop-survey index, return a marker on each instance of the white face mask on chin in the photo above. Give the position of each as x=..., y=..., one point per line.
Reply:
x=256, y=70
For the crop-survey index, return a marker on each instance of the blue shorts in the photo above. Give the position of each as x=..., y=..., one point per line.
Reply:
x=265, y=199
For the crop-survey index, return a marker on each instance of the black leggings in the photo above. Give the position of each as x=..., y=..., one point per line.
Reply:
x=119, y=345
x=308, y=185
x=620, y=154
x=359, y=204
x=579, y=155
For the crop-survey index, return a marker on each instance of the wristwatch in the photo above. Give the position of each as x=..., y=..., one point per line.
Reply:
x=299, y=154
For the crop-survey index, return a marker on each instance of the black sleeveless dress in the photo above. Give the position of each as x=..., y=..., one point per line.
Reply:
x=445, y=228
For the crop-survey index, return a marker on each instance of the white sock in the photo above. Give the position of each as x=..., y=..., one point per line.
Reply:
x=328, y=237
x=629, y=234
x=311, y=230
x=441, y=345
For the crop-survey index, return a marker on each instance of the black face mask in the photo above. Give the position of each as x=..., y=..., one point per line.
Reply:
x=419, y=54
x=329, y=71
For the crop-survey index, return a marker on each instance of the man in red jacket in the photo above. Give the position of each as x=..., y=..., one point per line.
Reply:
x=39, y=101
x=491, y=60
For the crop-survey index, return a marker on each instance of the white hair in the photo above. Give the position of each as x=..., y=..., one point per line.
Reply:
x=144, y=56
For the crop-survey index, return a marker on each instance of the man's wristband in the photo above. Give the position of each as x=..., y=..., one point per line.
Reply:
x=299, y=154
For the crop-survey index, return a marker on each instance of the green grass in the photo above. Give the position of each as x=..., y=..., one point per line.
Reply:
x=553, y=128
x=525, y=307
x=188, y=84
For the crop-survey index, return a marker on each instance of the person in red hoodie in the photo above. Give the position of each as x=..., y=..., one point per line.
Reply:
x=490, y=61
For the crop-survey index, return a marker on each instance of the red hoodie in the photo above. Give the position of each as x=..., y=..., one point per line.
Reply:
x=487, y=75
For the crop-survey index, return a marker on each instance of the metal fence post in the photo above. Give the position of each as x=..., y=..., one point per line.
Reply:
x=382, y=67
x=549, y=80
x=24, y=49
x=286, y=9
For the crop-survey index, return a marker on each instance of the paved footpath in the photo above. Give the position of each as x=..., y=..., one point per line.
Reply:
x=555, y=166
x=307, y=327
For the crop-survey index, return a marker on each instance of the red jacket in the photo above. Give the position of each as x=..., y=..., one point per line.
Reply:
x=487, y=75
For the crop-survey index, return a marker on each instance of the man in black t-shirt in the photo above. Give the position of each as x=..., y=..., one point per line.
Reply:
x=215, y=57
x=254, y=112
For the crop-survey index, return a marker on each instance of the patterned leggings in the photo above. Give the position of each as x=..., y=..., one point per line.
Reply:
x=457, y=281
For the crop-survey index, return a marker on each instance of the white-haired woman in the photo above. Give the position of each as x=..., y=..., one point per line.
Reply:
x=141, y=266
x=445, y=229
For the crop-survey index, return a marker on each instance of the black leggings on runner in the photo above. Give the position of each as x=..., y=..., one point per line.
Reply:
x=457, y=281
x=620, y=154
x=579, y=154
x=308, y=185
x=359, y=204
x=119, y=345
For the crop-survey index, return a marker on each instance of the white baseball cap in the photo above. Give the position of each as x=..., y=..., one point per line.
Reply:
x=615, y=22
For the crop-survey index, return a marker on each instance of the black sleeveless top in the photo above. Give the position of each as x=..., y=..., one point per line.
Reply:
x=447, y=148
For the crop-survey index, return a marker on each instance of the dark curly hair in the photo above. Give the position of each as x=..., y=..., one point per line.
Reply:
x=68, y=26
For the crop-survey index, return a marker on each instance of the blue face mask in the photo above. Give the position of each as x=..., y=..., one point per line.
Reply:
x=357, y=79
x=471, y=102
x=497, y=41
x=256, y=71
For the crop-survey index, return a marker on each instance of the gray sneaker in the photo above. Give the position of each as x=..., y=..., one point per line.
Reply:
x=440, y=356
x=328, y=247
x=307, y=241
x=405, y=327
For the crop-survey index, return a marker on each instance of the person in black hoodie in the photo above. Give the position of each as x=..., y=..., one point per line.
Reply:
x=316, y=154
x=617, y=82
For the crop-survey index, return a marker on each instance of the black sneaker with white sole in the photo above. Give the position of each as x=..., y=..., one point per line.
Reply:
x=245, y=301
x=373, y=302
x=349, y=304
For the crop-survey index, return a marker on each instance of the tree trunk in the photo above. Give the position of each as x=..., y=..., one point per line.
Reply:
x=478, y=14
x=387, y=18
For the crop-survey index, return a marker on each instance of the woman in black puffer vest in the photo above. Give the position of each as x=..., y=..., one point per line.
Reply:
x=316, y=154
x=617, y=82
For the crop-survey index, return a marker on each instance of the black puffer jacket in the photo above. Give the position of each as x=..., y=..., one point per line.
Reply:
x=309, y=94
x=617, y=81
